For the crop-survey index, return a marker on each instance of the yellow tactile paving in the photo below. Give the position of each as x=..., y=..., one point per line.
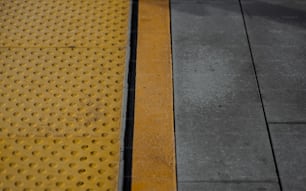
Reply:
x=153, y=145
x=62, y=71
x=62, y=23
x=58, y=163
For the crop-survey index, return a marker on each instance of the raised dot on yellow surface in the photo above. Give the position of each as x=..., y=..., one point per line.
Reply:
x=62, y=71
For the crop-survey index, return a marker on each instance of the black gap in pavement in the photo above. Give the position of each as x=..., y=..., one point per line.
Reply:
x=260, y=94
x=128, y=137
x=173, y=101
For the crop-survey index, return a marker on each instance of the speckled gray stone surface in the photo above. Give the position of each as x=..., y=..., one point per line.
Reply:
x=289, y=142
x=277, y=30
x=221, y=134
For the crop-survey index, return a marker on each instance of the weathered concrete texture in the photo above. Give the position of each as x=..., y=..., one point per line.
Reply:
x=277, y=30
x=251, y=186
x=220, y=129
x=289, y=142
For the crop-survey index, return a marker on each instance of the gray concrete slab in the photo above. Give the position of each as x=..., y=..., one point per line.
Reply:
x=289, y=142
x=220, y=128
x=277, y=30
x=224, y=154
x=226, y=186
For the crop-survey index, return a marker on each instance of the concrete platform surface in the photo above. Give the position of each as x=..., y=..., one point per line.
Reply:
x=239, y=70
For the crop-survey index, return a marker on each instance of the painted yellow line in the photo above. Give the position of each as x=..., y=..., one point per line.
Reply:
x=153, y=147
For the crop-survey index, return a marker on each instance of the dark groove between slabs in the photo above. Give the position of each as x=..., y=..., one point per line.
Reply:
x=128, y=139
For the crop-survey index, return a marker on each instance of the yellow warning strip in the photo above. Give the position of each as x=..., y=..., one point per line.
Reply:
x=62, y=72
x=153, y=147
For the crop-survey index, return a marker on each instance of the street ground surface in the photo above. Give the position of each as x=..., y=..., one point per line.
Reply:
x=240, y=94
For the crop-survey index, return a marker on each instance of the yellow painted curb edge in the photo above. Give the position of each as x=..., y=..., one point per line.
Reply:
x=153, y=166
